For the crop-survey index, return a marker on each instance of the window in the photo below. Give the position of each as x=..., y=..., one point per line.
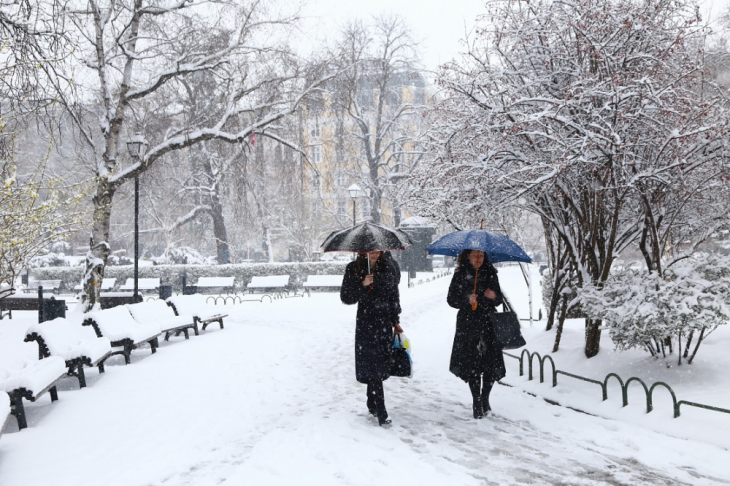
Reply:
x=315, y=153
x=340, y=178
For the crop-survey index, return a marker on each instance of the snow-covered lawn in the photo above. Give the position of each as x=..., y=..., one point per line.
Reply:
x=272, y=400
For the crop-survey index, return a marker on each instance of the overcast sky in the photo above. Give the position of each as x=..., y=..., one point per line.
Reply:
x=438, y=24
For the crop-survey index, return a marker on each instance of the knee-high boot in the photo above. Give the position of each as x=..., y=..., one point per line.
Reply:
x=486, y=390
x=475, y=387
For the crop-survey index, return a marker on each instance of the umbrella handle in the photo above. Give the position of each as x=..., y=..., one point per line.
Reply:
x=475, y=304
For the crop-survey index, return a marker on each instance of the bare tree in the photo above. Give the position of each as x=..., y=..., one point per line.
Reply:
x=379, y=62
x=135, y=59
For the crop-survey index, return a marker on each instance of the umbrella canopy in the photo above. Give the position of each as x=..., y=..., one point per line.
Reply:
x=366, y=237
x=498, y=247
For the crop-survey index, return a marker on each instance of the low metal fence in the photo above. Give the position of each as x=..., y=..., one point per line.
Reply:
x=648, y=391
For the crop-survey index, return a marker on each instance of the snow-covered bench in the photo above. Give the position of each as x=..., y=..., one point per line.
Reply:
x=326, y=283
x=53, y=286
x=107, y=284
x=196, y=306
x=143, y=285
x=158, y=312
x=119, y=326
x=224, y=283
x=4, y=410
x=21, y=378
x=271, y=283
x=76, y=344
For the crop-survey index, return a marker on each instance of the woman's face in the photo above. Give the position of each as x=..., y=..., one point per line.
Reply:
x=373, y=256
x=476, y=258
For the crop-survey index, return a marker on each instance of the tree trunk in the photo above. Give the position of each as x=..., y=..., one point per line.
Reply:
x=554, y=301
x=561, y=320
x=99, y=248
x=219, y=232
x=697, y=346
x=593, y=337
x=688, y=343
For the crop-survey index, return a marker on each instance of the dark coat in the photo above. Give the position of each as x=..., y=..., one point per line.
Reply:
x=378, y=309
x=468, y=360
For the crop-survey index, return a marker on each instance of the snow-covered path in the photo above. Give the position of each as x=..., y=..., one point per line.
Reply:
x=272, y=400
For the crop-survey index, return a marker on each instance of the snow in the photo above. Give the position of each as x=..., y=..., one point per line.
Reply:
x=196, y=305
x=4, y=409
x=323, y=281
x=270, y=281
x=142, y=284
x=71, y=340
x=18, y=370
x=117, y=324
x=157, y=312
x=272, y=400
x=215, y=281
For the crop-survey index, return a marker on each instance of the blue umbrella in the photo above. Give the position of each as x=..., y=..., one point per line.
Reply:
x=498, y=247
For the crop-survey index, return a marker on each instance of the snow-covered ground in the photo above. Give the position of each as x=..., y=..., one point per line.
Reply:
x=272, y=400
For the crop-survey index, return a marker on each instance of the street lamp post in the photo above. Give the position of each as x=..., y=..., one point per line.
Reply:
x=354, y=191
x=136, y=147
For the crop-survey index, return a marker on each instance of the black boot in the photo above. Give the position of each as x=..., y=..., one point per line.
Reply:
x=371, y=401
x=477, y=408
x=474, y=386
x=486, y=390
x=378, y=402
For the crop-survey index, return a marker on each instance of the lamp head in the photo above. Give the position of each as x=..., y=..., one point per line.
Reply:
x=354, y=191
x=137, y=146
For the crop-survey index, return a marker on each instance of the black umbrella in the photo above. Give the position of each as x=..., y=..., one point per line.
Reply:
x=367, y=237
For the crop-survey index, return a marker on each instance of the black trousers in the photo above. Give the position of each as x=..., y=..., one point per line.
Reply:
x=376, y=399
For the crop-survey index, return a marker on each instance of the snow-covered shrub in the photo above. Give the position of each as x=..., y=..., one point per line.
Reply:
x=61, y=247
x=183, y=255
x=119, y=257
x=50, y=259
x=645, y=310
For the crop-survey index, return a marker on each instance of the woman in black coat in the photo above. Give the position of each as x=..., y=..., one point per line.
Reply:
x=378, y=313
x=476, y=356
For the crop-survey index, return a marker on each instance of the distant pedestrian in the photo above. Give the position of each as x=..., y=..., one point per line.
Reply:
x=476, y=356
x=371, y=282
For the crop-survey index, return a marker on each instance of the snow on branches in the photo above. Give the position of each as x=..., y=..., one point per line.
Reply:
x=645, y=310
x=598, y=116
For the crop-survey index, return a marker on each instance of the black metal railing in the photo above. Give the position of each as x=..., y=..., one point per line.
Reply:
x=648, y=391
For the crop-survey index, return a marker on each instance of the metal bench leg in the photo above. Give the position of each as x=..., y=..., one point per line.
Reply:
x=195, y=328
x=81, y=376
x=220, y=321
x=127, y=353
x=16, y=404
x=187, y=335
x=167, y=337
x=100, y=366
x=154, y=344
x=78, y=372
x=54, y=394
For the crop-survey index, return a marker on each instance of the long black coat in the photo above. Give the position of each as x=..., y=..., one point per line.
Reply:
x=469, y=358
x=378, y=309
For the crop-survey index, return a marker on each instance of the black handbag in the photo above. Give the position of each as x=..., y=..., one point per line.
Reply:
x=506, y=327
x=400, y=362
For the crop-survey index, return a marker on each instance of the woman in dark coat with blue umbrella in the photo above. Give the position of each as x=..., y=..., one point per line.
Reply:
x=476, y=356
x=371, y=282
